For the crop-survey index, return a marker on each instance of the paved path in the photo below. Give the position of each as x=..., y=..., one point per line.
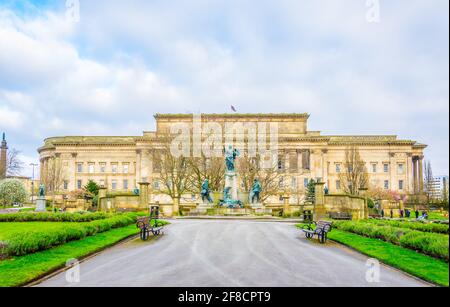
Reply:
x=230, y=253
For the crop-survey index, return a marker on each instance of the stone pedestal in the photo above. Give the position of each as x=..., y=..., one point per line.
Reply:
x=202, y=208
x=258, y=207
x=320, y=211
x=143, y=194
x=231, y=182
x=41, y=204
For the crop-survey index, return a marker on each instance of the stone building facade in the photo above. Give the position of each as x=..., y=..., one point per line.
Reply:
x=121, y=162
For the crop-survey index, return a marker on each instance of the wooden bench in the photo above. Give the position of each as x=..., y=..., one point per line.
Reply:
x=340, y=216
x=321, y=229
x=147, y=225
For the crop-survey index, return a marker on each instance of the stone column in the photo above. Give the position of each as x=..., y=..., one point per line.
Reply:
x=409, y=173
x=138, y=165
x=286, y=205
x=101, y=194
x=320, y=211
x=414, y=163
x=143, y=195
x=421, y=174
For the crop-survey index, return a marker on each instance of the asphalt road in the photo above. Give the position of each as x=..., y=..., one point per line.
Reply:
x=230, y=253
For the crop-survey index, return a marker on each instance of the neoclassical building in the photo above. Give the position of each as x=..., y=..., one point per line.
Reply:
x=121, y=162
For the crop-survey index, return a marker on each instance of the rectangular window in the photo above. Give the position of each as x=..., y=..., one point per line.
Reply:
x=386, y=184
x=156, y=185
x=305, y=182
x=125, y=184
x=338, y=168
x=280, y=164
x=126, y=168
x=79, y=167
x=350, y=168
x=66, y=185
x=386, y=167
x=338, y=184
x=400, y=185
x=374, y=168
x=114, y=185
x=91, y=168
x=401, y=168
x=79, y=184
x=294, y=183
x=114, y=168
x=102, y=168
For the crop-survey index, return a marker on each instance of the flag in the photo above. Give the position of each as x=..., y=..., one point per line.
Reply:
x=233, y=108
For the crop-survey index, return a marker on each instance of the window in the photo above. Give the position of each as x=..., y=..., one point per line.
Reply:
x=386, y=184
x=305, y=182
x=401, y=168
x=126, y=168
x=79, y=167
x=79, y=184
x=294, y=183
x=400, y=184
x=66, y=184
x=350, y=168
x=156, y=185
x=338, y=184
x=102, y=167
x=338, y=168
x=114, y=168
x=374, y=168
x=91, y=168
x=386, y=168
x=114, y=184
x=281, y=182
x=125, y=184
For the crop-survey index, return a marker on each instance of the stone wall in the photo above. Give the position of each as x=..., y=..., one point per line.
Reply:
x=355, y=205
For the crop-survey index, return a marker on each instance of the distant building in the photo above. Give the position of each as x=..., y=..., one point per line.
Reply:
x=121, y=162
x=439, y=188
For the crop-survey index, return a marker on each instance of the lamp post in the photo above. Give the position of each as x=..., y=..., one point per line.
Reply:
x=32, y=182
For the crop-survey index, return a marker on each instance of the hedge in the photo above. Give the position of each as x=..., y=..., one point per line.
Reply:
x=53, y=217
x=419, y=226
x=432, y=244
x=19, y=244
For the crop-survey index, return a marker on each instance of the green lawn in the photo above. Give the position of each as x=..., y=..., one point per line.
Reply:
x=422, y=266
x=9, y=229
x=21, y=270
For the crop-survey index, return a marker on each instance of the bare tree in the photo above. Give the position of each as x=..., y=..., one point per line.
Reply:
x=354, y=175
x=14, y=165
x=203, y=168
x=251, y=168
x=173, y=171
x=53, y=177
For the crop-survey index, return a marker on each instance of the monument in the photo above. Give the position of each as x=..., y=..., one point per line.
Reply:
x=255, y=196
x=207, y=201
x=230, y=192
x=41, y=202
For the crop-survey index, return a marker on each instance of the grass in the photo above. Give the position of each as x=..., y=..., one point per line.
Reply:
x=21, y=270
x=10, y=229
x=422, y=266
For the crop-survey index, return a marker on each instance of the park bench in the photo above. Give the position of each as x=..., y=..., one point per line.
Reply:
x=340, y=216
x=148, y=224
x=321, y=230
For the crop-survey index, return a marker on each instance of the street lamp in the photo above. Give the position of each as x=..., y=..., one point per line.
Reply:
x=32, y=182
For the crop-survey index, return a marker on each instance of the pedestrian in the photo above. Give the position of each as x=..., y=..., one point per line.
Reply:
x=392, y=213
x=401, y=213
x=417, y=214
x=382, y=213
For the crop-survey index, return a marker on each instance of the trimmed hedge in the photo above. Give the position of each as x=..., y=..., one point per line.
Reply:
x=53, y=217
x=433, y=244
x=20, y=244
x=419, y=226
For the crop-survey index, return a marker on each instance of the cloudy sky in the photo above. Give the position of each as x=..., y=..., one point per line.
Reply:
x=355, y=71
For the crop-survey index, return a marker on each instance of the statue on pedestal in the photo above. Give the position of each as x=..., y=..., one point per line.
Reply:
x=41, y=190
x=205, y=192
x=230, y=158
x=256, y=191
